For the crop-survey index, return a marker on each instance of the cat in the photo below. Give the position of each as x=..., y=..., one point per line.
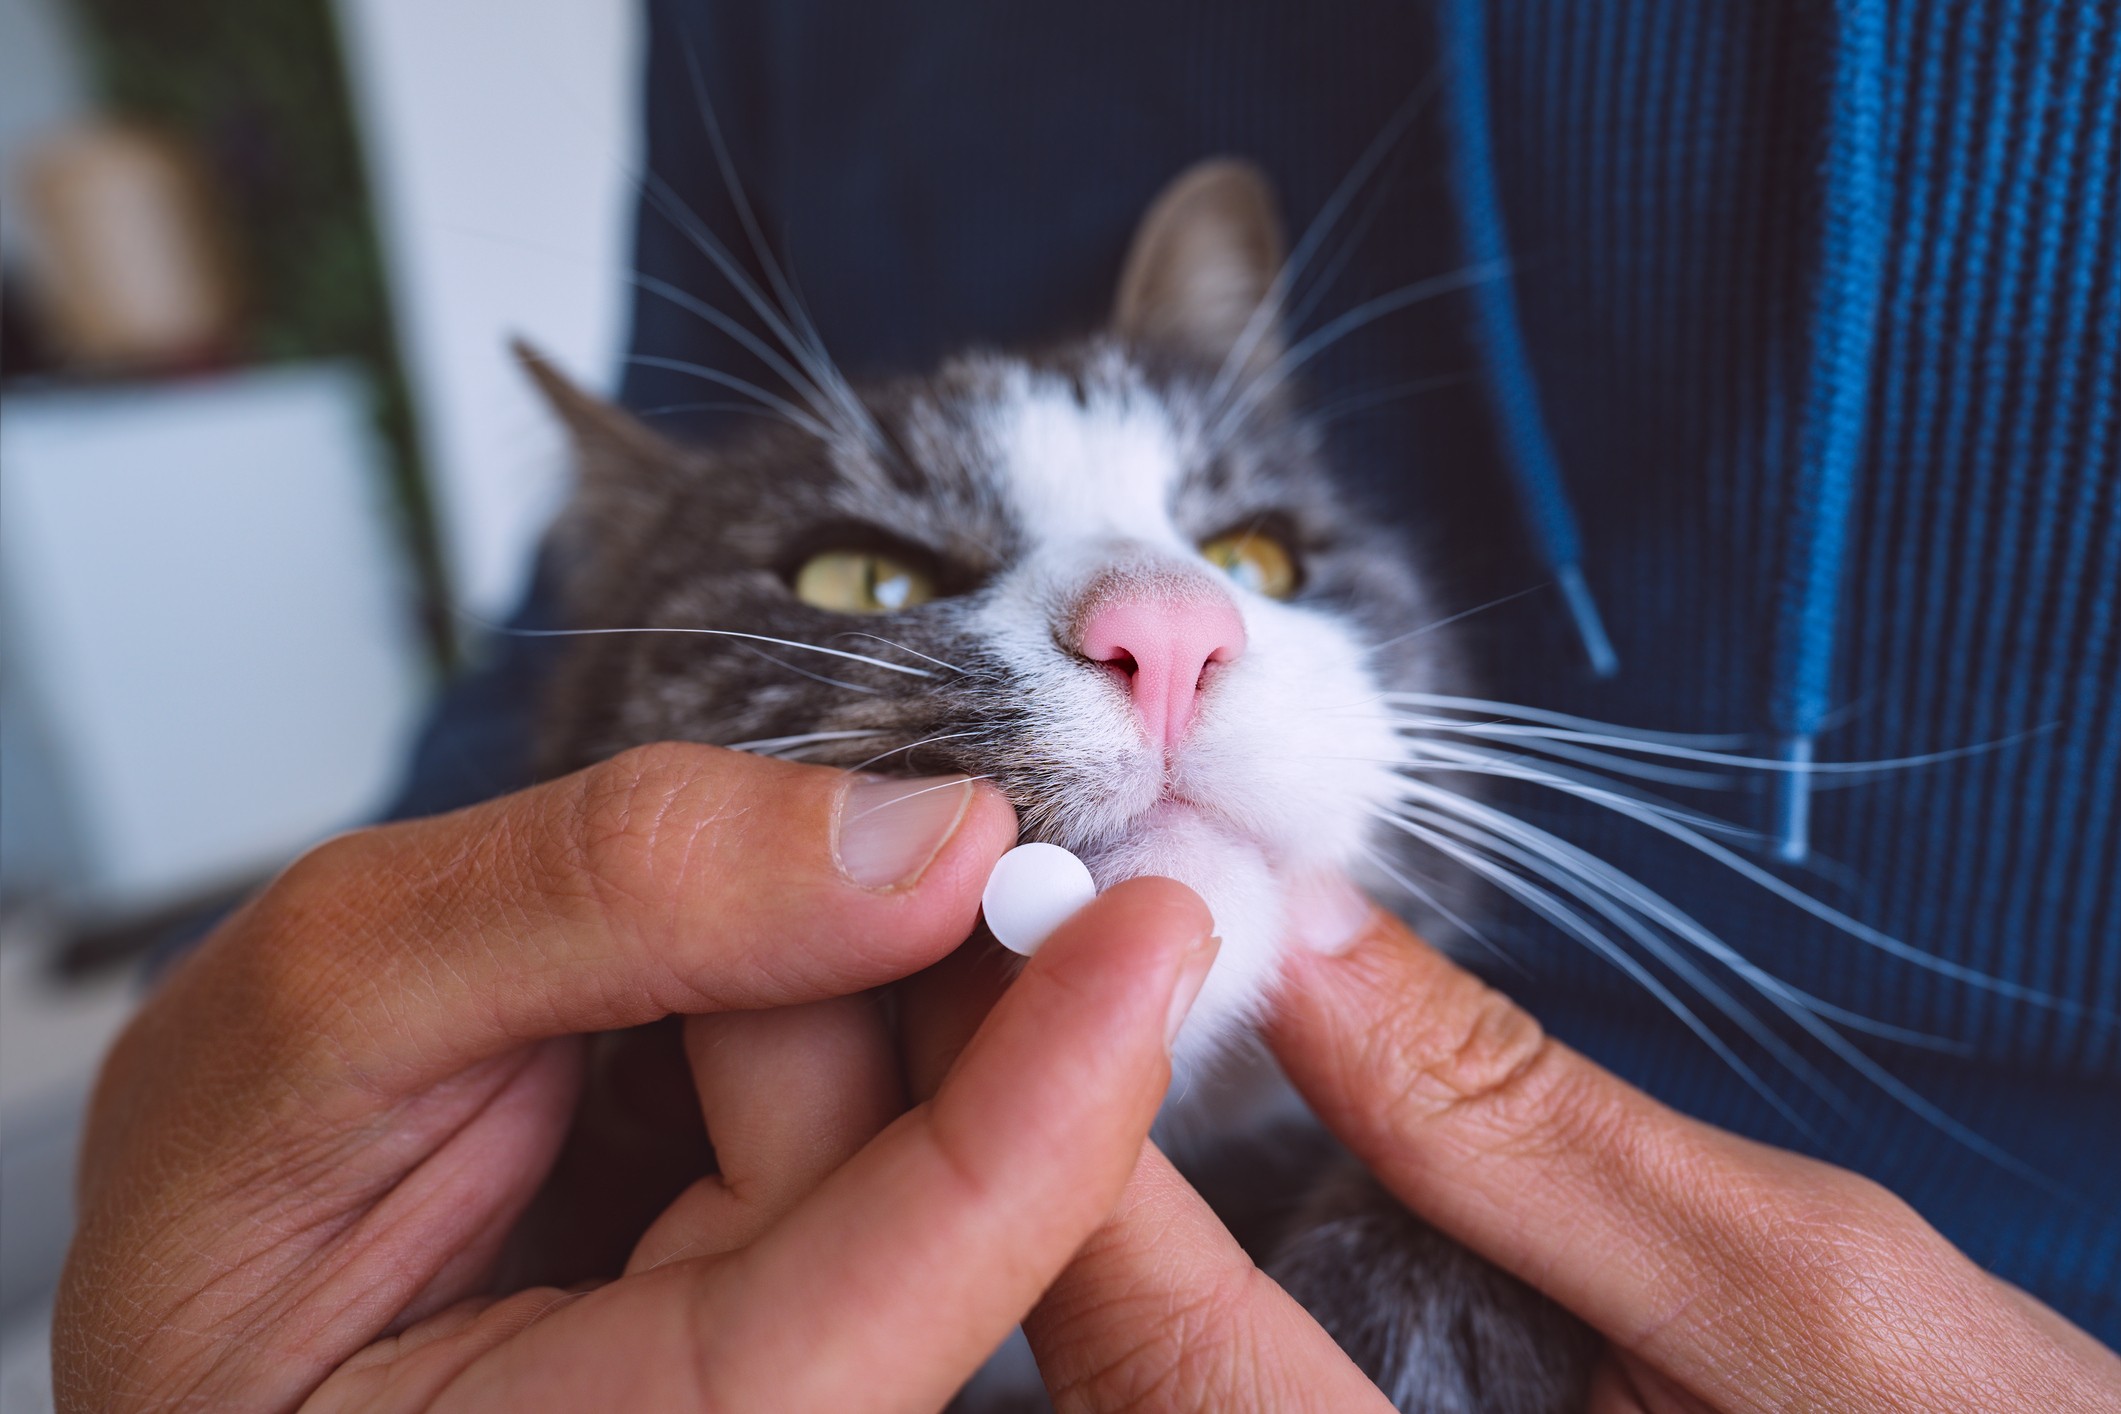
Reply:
x=1114, y=577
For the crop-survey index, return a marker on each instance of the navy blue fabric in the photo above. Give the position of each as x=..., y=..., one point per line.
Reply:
x=1816, y=311
x=1498, y=334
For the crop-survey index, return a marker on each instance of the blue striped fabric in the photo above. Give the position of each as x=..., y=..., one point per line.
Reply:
x=1668, y=211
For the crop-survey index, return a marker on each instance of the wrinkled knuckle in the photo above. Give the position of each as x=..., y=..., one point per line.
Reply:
x=1845, y=1273
x=634, y=824
x=291, y=945
x=314, y=889
x=1488, y=1056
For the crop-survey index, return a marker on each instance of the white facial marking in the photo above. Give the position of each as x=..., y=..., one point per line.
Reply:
x=1093, y=469
x=1288, y=754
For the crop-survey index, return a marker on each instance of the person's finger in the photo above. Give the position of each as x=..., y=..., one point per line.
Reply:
x=789, y=1095
x=673, y=878
x=1162, y=1310
x=942, y=1007
x=1622, y=1385
x=1756, y=1278
x=892, y=1282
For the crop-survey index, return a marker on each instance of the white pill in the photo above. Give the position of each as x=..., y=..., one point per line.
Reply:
x=1033, y=890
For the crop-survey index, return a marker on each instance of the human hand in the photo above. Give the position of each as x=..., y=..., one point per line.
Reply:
x=1726, y=1275
x=309, y=1148
x=1160, y=1309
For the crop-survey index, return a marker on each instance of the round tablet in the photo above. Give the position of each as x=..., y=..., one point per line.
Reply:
x=1033, y=890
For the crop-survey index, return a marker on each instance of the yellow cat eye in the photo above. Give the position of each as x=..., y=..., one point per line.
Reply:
x=1259, y=562
x=861, y=582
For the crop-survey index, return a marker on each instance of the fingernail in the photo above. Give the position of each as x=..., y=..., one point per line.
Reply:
x=1192, y=975
x=1327, y=913
x=889, y=829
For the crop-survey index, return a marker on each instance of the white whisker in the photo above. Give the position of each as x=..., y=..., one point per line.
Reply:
x=673, y=208
x=1357, y=403
x=810, y=347
x=909, y=746
x=764, y=351
x=1518, y=731
x=1826, y=913
x=701, y=371
x=1864, y=1065
x=768, y=745
x=1583, y=756
x=1547, y=906
x=710, y=633
x=1616, y=911
x=1488, y=707
x=1366, y=313
x=1461, y=615
x=1649, y=904
x=891, y=643
x=911, y=794
x=1268, y=312
x=1450, y=915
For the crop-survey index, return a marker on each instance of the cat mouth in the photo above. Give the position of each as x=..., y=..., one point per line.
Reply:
x=1174, y=812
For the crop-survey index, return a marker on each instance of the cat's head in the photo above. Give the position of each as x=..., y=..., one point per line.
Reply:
x=1111, y=576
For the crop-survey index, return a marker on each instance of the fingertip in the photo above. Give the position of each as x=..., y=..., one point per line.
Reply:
x=1327, y=913
x=985, y=832
x=1150, y=904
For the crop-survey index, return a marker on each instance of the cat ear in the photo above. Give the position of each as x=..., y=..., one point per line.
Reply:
x=624, y=472
x=1205, y=259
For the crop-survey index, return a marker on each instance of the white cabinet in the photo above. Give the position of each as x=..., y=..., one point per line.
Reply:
x=208, y=622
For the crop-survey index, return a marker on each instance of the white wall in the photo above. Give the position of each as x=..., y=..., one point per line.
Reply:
x=500, y=137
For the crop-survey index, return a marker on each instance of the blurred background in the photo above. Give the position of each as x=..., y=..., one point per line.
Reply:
x=265, y=463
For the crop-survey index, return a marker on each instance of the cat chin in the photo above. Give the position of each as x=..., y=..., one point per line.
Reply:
x=1244, y=886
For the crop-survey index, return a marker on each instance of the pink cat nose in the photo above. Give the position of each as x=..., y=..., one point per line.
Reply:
x=1163, y=646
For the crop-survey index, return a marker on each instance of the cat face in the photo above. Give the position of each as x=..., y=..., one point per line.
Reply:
x=1113, y=578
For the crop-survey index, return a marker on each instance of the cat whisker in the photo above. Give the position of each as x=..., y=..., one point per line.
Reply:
x=891, y=643
x=710, y=633
x=1618, y=909
x=1450, y=702
x=1458, y=617
x=909, y=746
x=1807, y=1012
x=913, y=794
x=673, y=409
x=1384, y=864
x=796, y=416
x=1361, y=402
x=1544, y=903
x=665, y=200
x=1550, y=851
x=1366, y=313
x=1615, y=765
x=1786, y=999
x=1268, y=312
x=803, y=672
x=1534, y=736
x=1668, y=822
x=1433, y=757
x=810, y=349
x=764, y=351
x=773, y=745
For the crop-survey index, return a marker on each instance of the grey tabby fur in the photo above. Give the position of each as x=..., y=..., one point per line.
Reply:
x=662, y=536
